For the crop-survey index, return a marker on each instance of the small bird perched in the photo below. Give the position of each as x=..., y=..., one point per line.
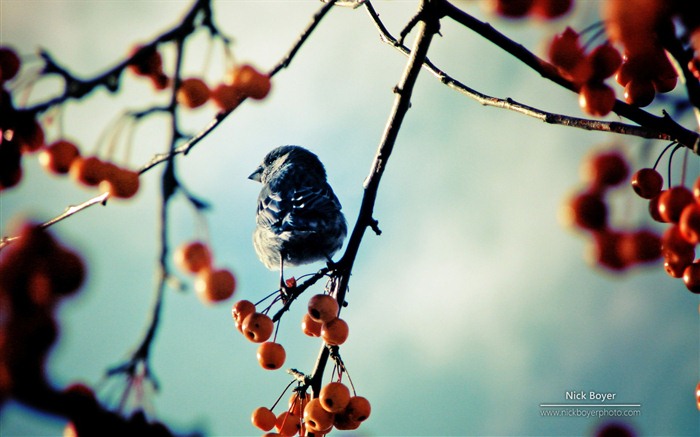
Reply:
x=298, y=217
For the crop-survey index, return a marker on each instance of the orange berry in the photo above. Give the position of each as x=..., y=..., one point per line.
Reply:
x=342, y=421
x=192, y=257
x=257, y=327
x=310, y=327
x=323, y=307
x=214, y=285
x=226, y=97
x=88, y=171
x=193, y=93
x=120, y=182
x=271, y=356
x=697, y=394
x=316, y=418
x=58, y=157
x=263, y=418
x=334, y=397
x=241, y=310
x=335, y=332
x=250, y=82
x=358, y=408
x=288, y=424
x=297, y=403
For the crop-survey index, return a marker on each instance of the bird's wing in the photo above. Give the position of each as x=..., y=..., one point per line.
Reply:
x=301, y=208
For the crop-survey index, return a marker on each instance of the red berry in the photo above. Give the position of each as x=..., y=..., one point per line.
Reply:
x=641, y=246
x=605, y=251
x=639, y=92
x=596, y=99
x=647, y=183
x=606, y=60
x=691, y=277
x=689, y=223
x=565, y=51
x=606, y=169
x=587, y=211
x=250, y=82
x=193, y=93
x=654, y=209
x=549, y=9
x=672, y=202
x=58, y=157
x=9, y=64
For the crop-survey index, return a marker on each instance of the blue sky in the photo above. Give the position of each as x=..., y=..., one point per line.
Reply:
x=473, y=307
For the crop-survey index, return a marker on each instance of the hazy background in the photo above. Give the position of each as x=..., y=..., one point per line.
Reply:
x=473, y=307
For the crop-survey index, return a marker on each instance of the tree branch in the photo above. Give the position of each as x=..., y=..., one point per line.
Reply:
x=510, y=104
x=429, y=25
x=662, y=124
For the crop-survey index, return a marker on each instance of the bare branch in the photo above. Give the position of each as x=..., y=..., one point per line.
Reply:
x=428, y=26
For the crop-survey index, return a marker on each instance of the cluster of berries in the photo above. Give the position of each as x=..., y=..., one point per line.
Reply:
x=679, y=207
x=242, y=82
x=544, y=9
x=611, y=248
x=643, y=71
x=588, y=71
x=36, y=273
x=211, y=284
x=321, y=320
x=335, y=407
x=21, y=133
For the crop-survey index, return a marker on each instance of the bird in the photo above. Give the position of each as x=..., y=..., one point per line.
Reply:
x=298, y=218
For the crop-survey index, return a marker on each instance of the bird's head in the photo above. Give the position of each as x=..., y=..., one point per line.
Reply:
x=283, y=156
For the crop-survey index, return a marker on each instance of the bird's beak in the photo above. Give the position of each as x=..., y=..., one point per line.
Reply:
x=256, y=175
